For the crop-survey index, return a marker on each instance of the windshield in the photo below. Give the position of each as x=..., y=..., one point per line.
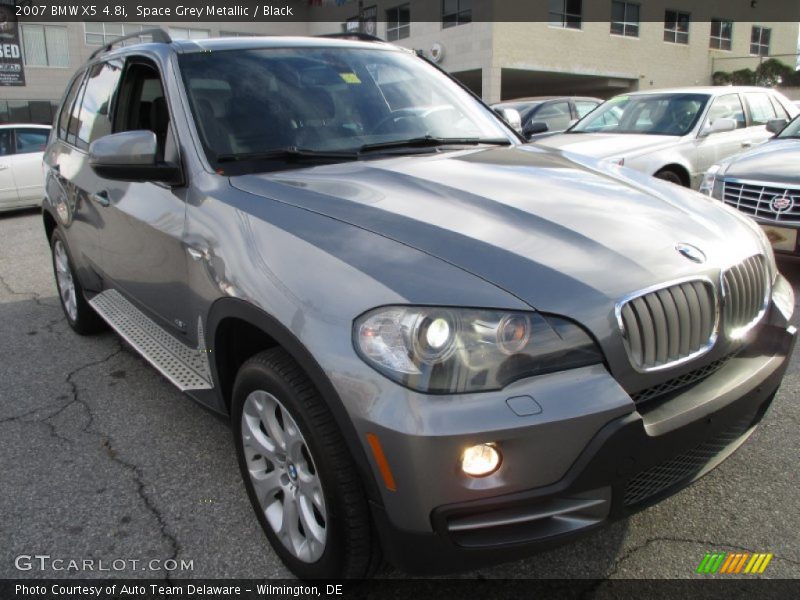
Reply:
x=252, y=104
x=656, y=114
x=792, y=130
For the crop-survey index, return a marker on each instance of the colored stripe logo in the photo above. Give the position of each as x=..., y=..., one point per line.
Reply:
x=733, y=563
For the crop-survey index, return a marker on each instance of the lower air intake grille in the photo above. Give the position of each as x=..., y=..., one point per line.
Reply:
x=684, y=466
x=681, y=381
x=669, y=325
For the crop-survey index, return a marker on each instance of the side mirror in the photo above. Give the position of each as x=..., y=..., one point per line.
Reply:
x=720, y=125
x=131, y=156
x=534, y=128
x=776, y=125
x=510, y=116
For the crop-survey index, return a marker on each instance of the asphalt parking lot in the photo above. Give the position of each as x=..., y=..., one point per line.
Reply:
x=102, y=459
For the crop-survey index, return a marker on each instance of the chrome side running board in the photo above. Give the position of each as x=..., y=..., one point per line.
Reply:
x=187, y=368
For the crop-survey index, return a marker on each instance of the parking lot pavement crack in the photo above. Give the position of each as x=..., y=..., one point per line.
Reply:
x=138, y=477
x=114, y=455
x=75, y=392
x=36, y=297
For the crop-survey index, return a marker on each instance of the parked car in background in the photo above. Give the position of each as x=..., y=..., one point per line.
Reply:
x=547, y=115
x=765, y=184
x=21, y=177
x=676, y=134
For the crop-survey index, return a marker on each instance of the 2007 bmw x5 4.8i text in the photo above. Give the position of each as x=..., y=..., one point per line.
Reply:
x=434, y=343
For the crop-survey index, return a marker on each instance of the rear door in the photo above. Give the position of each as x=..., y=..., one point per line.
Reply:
x=8, y=187
x=26, y=162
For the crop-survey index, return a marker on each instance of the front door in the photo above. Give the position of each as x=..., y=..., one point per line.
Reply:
x=142, y=253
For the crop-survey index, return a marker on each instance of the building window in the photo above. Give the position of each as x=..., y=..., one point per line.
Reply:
x=236, y=34
x=102, y=34
x=721, y=34
x=625, y=18
x=44, y=45
x=456, y=12
x=676, y=27
x=184, y=33
x=565, y=13
x=398, y=22
x=759, y=41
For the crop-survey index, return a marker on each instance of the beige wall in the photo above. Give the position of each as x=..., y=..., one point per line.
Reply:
x=648, y=59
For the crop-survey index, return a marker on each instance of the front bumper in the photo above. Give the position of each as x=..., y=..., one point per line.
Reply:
x=632, y=462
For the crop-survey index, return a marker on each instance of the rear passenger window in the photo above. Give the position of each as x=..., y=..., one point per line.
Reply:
x=761, y=109
x=66, y=108
x=98, y=102
x=728, y=106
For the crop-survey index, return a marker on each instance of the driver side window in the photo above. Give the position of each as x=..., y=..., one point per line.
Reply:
x=143, y=105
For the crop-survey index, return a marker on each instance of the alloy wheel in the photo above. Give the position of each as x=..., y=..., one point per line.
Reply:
x=284, y=477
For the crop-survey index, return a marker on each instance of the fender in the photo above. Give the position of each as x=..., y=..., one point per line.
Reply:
x=239, y=309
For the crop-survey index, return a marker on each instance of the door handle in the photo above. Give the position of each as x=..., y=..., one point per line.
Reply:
x=3, y=167
x=747, y=144
x=101, y=198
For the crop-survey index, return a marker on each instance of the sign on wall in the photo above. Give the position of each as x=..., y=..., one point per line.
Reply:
x=12, y=72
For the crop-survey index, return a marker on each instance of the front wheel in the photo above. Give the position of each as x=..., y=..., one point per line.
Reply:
x=671, y=176
x=298, y=472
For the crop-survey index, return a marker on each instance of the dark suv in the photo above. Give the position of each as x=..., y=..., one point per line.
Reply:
x=431, y=339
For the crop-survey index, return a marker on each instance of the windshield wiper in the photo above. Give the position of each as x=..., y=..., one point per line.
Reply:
x=429, y=141
x=287, y=153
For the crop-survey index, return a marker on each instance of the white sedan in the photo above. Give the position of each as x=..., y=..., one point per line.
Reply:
x=677, y=134
x=21, y=175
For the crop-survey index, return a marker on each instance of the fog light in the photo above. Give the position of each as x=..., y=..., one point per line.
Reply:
x=480, y=460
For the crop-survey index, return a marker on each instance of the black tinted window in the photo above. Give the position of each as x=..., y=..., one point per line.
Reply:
x=101, y=87
x=31, y=140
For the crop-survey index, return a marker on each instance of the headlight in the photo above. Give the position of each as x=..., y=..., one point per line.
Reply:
x=709, y=179
x=456, y=350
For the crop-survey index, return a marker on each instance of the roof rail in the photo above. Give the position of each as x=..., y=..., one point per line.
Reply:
x=352, y=35
x=158, y=35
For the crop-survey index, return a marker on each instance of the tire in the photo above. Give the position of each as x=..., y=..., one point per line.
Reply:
x=80, y=316
x=294, y=461
x=671, y=176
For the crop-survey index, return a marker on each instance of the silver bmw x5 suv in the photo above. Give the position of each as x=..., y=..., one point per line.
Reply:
x=434, y=343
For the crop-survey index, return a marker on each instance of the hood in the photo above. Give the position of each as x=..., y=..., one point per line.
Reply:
x=564, y=234
x=605, y=145
x=775, y=161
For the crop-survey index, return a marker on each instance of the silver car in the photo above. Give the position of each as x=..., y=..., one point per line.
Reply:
x=676, y=134
x=21, y=178
x=432, y=341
